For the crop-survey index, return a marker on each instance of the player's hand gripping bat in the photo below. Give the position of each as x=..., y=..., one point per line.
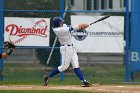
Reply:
x=101, y=19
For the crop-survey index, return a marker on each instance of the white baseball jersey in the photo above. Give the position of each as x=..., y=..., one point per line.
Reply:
x=67, y=50
x=64, y=34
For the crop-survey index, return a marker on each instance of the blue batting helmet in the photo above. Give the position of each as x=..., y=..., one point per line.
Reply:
x=56, y=21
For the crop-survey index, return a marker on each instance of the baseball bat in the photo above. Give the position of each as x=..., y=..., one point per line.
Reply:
x=101, y=19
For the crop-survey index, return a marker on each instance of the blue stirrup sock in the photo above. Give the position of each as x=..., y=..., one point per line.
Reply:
x=54, y=72
x=79, y=74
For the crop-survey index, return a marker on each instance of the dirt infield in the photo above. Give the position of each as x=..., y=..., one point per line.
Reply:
x=93, y=88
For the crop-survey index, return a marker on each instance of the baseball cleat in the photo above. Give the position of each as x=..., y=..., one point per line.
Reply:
x=46, y=80
x=85, y=84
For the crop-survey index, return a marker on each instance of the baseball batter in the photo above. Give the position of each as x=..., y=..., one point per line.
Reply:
x=68, y=52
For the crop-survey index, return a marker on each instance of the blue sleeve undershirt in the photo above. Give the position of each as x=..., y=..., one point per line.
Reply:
x=70, y=28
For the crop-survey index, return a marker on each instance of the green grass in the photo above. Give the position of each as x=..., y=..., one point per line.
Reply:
x=32, y=74
x=16, y=73
x=43, y=91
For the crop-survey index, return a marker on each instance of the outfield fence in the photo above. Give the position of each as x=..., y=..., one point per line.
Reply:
x=52, y=8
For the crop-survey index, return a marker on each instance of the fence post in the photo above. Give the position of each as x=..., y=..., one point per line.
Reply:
x=127, y=42
x=1, y=36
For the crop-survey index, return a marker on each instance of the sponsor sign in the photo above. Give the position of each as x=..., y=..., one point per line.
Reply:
x=103, y=37
x=27, y=31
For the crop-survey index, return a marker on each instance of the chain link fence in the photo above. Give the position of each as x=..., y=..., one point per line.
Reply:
x=33, y=9
x=51, y=8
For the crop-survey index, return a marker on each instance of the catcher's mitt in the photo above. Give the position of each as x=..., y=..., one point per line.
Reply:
x=9, y=44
